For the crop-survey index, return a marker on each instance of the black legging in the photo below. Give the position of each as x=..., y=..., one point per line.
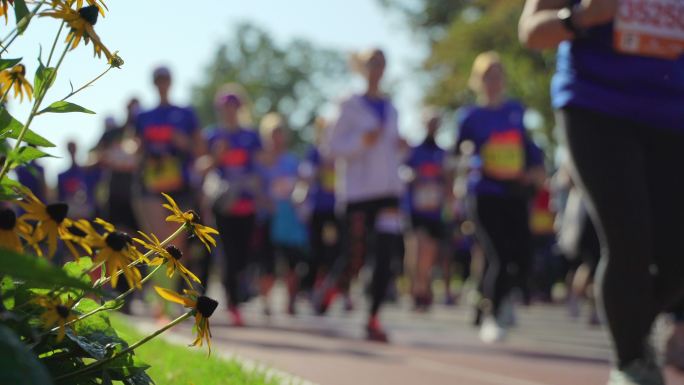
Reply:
x=360, y=235
x=504, y=233
x=632, y=176
x=236, y=235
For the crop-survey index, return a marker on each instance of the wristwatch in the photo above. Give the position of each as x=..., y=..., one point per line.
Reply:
x=565, y=15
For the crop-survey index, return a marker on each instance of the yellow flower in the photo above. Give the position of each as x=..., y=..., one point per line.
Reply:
x=4, y=6
x=115, y=249
x=116, y=61
x=77, y=236
x=14, y=78
x=191, y=221
x=203, y=307
x=56, y=313
x=170, y=255
x=52, y=220
x=81, y=21
x=12, y=229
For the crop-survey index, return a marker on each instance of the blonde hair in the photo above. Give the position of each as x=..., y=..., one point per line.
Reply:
x=482, y=63
x=358, y=61
x=245, y=112
x=269, y=123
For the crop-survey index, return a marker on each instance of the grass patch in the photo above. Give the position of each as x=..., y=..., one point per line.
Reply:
x=180, y=365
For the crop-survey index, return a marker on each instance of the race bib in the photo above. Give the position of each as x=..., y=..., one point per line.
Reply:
x=163, y=174
x=503, y=156
x=541, y=222
x=328, y=179
x=650, y=28
x=427, y=196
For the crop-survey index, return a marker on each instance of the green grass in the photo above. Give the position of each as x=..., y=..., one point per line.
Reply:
x=181, y=365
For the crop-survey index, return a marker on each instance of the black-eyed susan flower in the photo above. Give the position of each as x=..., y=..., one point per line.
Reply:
x=12, y=230
x=116, y=61
x=170, y=255
x=202, y=306
x=81, y=21
x=56, y=313
x=4, y=5
x=191, y=221
x=52, y=221
x=76, y=236
x=15, y=79
x=115, y=249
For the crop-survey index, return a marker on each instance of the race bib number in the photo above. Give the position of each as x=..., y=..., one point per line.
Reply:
x=503, y=156
x=650, y=28
x=427, y=197
x=163, y=174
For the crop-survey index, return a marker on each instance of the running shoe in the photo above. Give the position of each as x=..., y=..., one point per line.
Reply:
x=235, y=316
x=492, y=331
x=376, y=334
x=639, y=372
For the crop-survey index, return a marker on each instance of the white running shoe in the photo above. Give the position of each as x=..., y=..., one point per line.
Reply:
x=491, y=332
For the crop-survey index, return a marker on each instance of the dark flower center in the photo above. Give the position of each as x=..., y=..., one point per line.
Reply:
x=8, y=219
x=117, y=240
x=63, y=311
x=57, y=211
x=206, y=306
x=174, y=252
x=195, y=217
x=89, y=14
x=76, y=231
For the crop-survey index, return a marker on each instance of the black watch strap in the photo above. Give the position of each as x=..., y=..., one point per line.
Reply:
x=565, y=15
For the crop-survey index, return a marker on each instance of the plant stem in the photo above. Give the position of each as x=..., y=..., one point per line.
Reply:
x=129, y=349
x=7, y=92
x=54, y=44
x=72, y=93
x=103, y=307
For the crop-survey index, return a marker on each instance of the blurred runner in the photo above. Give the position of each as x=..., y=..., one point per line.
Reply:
x=510, y=167
x=366, y=144
x=232, y=188
x=76, y=187
x=428, y=190
x=619, y=92
x=287, y=232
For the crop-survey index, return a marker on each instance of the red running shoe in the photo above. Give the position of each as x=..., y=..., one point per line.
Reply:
x=374, y=331
x=235, y=316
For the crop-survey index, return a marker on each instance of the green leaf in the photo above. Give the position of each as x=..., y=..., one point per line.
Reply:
x=139, y=379
x=7, y=63
x=26, y=154
x=125, y=366
x=45, y=77
x=21, y=11
x=37, y=272
x=77, y=269
x=62, y=107
x=114, y=304
x=11, y=128
x=18, y=365
x=7, y=188
x=7, y=288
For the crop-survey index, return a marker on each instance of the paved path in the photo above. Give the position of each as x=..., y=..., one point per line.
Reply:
x=547, y=348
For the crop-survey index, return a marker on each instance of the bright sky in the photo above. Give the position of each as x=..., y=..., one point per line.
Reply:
x=184, y=36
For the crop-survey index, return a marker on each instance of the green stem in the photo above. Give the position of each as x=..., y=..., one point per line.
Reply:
x=103, y=307
x=98, y=364
x=34, y=110
x=72, y=93
x=54, y=44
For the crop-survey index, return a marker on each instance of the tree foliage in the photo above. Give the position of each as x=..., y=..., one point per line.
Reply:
x=294, y=79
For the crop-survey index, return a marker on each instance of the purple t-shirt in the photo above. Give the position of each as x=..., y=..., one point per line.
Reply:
x=165, y=167
x=30, y=176
x=426, y=191
x=322, y=191
x=76, y=187
x=501, y=144
x=237, y=164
